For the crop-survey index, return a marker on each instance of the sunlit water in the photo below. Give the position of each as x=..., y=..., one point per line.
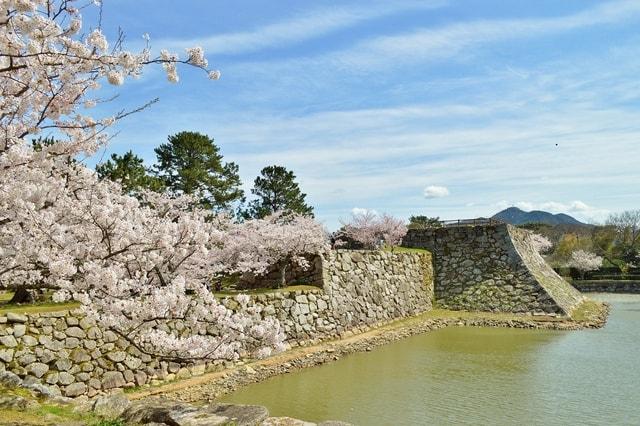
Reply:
x=475, y=376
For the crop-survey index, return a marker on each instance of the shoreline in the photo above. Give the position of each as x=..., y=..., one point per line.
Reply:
x=209, y=387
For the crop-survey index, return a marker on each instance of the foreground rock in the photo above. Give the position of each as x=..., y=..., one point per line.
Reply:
x=181, y=414
x=165, y=412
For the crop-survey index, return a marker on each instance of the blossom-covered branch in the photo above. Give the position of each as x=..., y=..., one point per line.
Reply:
x=136, y=266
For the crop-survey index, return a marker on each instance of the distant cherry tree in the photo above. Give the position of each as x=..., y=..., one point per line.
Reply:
x=372, y=230
x=541, y=243
x=584, y=261
x=280, y=239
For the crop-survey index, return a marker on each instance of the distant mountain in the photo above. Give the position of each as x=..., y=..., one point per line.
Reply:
x=515, y=216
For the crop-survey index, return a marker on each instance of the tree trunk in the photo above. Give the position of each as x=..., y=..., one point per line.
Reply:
x=22, y=295
x=283, y=275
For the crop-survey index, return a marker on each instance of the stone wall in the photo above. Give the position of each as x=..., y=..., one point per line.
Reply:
x=492, y=268
x=72, y=356
x=607, y=286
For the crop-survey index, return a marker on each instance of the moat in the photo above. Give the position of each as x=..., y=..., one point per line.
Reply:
x=465, y=375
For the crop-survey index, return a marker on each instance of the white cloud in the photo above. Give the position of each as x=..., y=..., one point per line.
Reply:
x=315, y=23
x=448, y=41
x=525, y=205
x=549, y=206
x=434, y=191
x=579, y=206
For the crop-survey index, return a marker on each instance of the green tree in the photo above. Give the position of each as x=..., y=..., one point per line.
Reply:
x=277, y=190
x=190, y=163
x=423, y=222
x=627, y=243
x=41, y=142
x=129, y=170
x=603, y=239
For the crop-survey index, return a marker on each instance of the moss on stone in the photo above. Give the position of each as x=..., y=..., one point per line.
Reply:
x=589, y=310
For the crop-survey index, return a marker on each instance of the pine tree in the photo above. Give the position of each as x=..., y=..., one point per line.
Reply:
x=190, y=163
x=276, y=190
x=129, y=170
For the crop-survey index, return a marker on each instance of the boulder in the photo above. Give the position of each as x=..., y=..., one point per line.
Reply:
x=45, y=391
x=240, y=414
x=170, y=412
x=117, y=356
x=16, y=402
x=63, y=364
x=182, y=414
x=9, y=341
x=75, y=332
x=9, y=379
x=6, y=355
x=65, y=378
x=19, y=330
x=75, y=389
x=29, y=340
x=111, y=406
x=113, y=379
x=38, y=369
x=14, y=317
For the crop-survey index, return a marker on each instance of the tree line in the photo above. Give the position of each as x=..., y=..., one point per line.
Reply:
x=617, y=241
x=190, y=163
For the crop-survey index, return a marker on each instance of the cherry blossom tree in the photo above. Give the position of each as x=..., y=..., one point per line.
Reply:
x=279, y=239
x=136, y=266
x=540, y=243
x=584, y=261
x=372, y=230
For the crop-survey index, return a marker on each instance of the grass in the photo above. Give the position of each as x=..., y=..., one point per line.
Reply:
x=32, y=308
x=399, y=249
x=287, y=289
x=38, y=307
x=587, y=311
x=42, y=307
x=44, y=414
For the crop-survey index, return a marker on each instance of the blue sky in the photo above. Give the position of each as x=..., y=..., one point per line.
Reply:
x=454, y=109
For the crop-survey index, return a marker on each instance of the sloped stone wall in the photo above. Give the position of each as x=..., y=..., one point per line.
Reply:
x=492, y=268
x=71, y=355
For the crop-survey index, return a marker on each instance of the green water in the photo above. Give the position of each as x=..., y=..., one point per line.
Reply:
x=475, y=376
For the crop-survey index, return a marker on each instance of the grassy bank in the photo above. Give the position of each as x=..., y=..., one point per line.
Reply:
x=18, y=406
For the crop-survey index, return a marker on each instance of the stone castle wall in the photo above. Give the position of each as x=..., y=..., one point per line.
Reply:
x=492, y=268
x=71, y=355
x=607, y=286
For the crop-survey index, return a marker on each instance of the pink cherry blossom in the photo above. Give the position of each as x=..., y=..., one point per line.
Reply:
x=139, y=267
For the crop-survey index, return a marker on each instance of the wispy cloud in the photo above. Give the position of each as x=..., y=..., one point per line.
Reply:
x=299, y=28
x=449, y=40
x=367, y=121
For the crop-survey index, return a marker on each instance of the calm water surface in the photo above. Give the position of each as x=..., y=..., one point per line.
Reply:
x=475, y=376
